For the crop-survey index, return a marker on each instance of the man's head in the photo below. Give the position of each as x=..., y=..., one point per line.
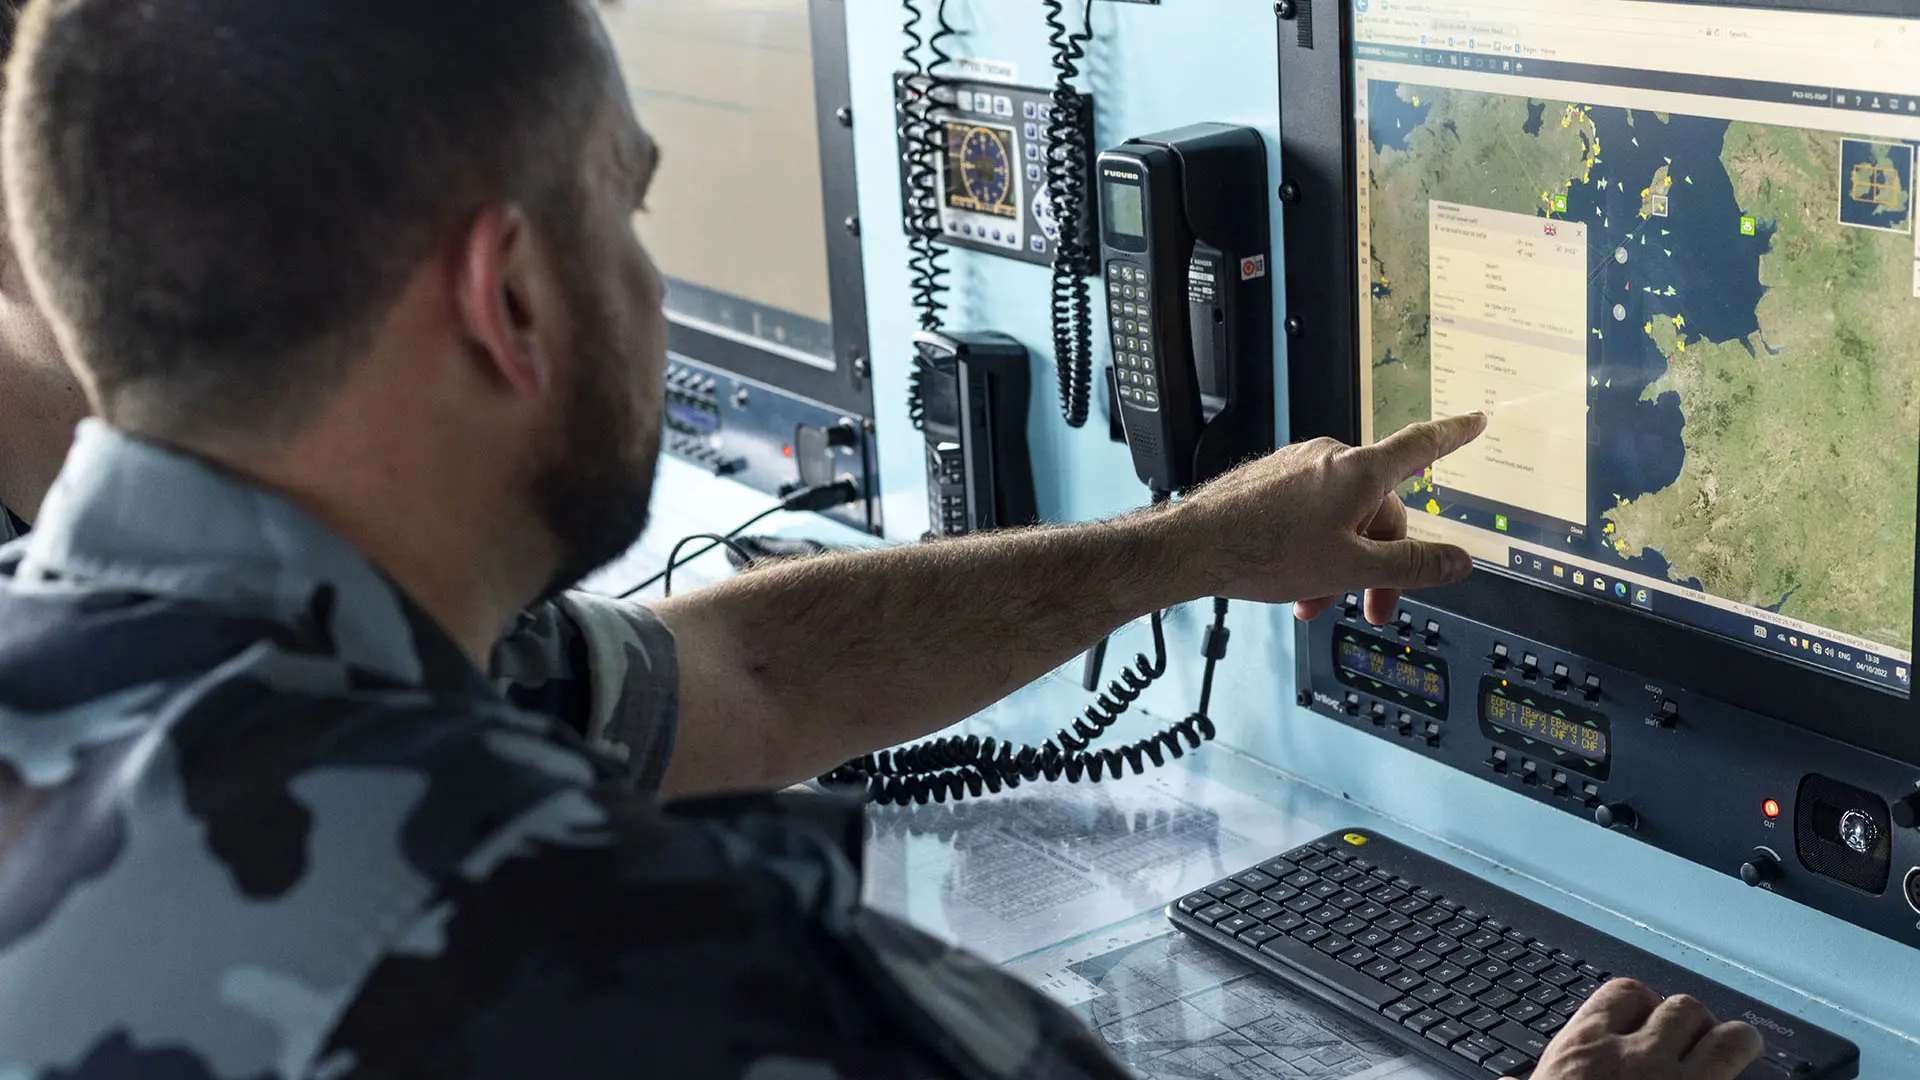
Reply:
x=259, y=226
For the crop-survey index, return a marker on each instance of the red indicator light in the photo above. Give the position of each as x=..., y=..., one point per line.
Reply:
x=786, y=451
x=1771, y=808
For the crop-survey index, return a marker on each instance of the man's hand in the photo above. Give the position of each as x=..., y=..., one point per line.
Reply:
x=1625, y=1032
x=1318, y=519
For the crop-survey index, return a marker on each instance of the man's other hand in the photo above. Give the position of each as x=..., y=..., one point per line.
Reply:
x=1318, y=519
x=1625, y=1032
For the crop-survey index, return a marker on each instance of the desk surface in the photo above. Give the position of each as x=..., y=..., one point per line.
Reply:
x=1064, y=883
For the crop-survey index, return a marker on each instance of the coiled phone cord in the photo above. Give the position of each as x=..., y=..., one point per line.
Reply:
x=1067, y=165
x=923, y=141
x=956, y=768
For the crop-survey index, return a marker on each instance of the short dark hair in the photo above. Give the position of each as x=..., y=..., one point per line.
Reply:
x=219, y=199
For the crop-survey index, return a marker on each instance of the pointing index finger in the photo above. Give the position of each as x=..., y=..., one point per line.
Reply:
x=1409, y=451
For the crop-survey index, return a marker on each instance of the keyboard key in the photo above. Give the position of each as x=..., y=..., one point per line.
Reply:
x=1358, y=957
x=1495, y=926
x=1280, y=894
x=1424, y=893
x=1421, y=961
x=1395, y=950
x=1386, y=895
x=1347, y=901
x=1400, y=1010
x=1544, y=995
x=1287, y=923
x=1593, y=973
x=1466, y=1049
x=1483, y=939
x=1497, y=998
x=1223, y=889
x=1559, y=976
x=1432, y=994
x=1568, y=959
x=1214, y=914
x=1303, y=903
x=1566, y=1006
x=1350, y=927
x=1472, y=986
x=1256, y=880
x=1508, y=1063
x=1442, y=945
x=1416, y=935
x=1333, y=944
x=1549, y=1024
x=1404, y=981
x=1448, y=1032
x=1302, y=879
x=1483, y=1019
x=1369, y=911
x=1533, y=963
x=1326, y=916
x=1468, y=958
x=1348, y=982
x=1308, y=934
x=1342, y=875
x=1525, y=1012
x=1458, y=1006
x=1265, y=911
x=1491, y=970
x=1191, y=904
x=1508, y=952
x=1448, y=904
x=1235, y=924
x=1412, y=905
x=1485, y=1045
x=1525, y=1040
x=1458, y=928
x=1583, y=989
x=1393, y=923
x=1424, y=1020
x=1241, y=901
x=1279, y=868
x=1324, y=890
x=1384, y=970
x=1434, y=917
x=1319, y=864
x=1373, y=938
x=1471, y=915
x=1259, y=935
x=1519, y=983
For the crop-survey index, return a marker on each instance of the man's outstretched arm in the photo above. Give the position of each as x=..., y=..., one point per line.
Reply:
x=788, y=671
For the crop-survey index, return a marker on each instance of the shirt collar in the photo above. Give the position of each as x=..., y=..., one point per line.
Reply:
x=126, y=514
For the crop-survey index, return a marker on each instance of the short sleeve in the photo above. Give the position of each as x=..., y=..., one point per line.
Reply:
x=605, y=668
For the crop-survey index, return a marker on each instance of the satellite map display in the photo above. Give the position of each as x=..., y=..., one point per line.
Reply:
x=1753, y=342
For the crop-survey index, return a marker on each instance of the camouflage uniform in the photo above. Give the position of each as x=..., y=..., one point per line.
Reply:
x=259, y=818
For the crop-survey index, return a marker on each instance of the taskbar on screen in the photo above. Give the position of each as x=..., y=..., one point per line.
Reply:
x=1753, y=628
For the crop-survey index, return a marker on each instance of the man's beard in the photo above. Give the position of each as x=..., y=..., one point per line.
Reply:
x=594, y=495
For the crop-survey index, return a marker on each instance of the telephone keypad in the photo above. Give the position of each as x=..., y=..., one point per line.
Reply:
x=1133, y=347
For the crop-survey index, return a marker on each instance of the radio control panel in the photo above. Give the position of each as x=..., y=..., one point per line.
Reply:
x=1779, y=807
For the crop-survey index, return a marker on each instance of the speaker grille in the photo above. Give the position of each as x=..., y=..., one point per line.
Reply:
x=1822, y=804
x=1303, y=15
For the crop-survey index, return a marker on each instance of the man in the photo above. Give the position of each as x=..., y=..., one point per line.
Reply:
x=352, y=286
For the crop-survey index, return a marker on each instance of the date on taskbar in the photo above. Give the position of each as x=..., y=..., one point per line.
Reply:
x=1842, y=659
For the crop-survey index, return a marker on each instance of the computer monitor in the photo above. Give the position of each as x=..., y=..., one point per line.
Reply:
x=752, y=214
x=1670, y=247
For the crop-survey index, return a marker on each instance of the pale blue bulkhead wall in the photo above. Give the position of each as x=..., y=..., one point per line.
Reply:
x=1158, y=66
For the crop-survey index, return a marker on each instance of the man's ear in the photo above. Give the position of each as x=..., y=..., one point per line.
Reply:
x=495, y=291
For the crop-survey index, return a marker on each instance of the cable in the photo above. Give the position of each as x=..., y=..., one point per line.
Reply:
x=806, y=500
x=922, y=141
x=1213, y=646
x=1068, y=133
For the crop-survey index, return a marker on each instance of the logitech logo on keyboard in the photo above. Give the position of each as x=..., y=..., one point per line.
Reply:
x=1767, y=1023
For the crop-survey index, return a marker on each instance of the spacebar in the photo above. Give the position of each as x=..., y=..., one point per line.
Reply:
x=1326, y=969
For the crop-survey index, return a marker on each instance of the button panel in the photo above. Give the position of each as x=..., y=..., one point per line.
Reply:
x=1129, y=303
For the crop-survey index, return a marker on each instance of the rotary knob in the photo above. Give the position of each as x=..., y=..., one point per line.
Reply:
x=1761, y=869
x=1906, y=812
x=1616, y=816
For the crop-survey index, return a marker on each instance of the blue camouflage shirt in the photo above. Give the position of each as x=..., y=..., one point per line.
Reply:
x=260, y=818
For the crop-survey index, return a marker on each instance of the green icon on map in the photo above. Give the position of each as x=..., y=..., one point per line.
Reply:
x=1559, y=204
x=1747, y=226
x=1500, y=522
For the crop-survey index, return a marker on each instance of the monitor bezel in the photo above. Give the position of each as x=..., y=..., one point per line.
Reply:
x=848, y=386
x=1319, y=203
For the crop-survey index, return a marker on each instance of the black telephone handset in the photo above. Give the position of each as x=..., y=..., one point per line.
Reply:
x=974, y=389
x=1185, y=236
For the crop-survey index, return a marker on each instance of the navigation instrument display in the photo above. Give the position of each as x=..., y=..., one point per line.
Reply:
x=1393, y=671
x=1670, y=249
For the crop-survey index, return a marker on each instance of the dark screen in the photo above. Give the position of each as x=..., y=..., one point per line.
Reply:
x=1126, y=210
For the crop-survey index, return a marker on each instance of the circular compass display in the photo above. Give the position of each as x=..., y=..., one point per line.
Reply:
x=982, y=162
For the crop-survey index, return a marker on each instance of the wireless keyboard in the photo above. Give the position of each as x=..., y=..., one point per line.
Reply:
x=1466, y=974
